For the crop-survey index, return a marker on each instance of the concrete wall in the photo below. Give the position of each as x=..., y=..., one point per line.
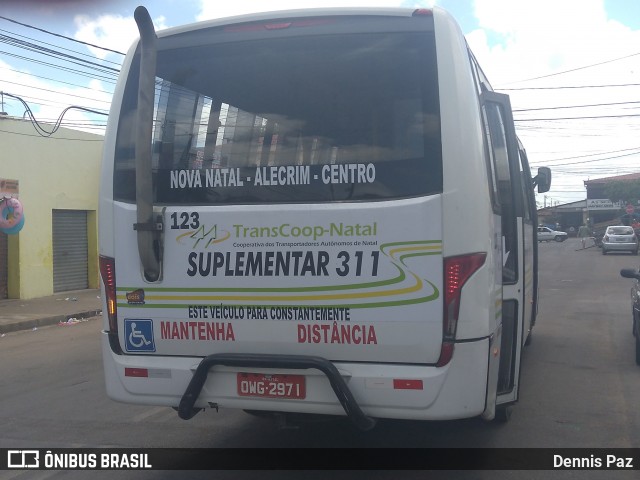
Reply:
x=57, y=172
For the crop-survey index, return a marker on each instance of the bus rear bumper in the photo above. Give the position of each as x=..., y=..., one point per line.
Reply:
x=457, y=390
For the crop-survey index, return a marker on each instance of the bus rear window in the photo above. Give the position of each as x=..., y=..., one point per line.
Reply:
x=314, y=118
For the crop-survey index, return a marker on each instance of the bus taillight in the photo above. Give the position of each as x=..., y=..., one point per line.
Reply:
x=422, y=12
x=457, y=271
x=108, y=273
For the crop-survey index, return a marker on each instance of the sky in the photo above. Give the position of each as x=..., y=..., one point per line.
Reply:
x=570, y=67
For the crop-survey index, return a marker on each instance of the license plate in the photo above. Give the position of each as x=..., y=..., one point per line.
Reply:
x=271, y=385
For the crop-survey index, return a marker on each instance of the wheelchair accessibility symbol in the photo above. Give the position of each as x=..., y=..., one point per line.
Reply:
x=139, y=335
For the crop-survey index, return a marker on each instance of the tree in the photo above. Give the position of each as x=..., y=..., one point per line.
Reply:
x=627, y=191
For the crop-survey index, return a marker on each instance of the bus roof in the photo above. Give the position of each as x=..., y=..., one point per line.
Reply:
x=294, y=13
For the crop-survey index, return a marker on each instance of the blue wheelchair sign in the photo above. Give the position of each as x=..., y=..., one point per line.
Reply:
x=138, y=334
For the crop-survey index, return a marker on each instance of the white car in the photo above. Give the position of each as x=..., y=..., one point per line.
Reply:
x=545, y=233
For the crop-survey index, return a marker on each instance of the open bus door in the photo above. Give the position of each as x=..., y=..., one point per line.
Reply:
x=503, y=145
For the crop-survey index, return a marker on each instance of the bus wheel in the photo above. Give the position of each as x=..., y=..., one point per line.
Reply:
x=503, y=413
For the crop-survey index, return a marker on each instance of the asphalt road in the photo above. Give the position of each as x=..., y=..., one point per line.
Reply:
x=580, y=388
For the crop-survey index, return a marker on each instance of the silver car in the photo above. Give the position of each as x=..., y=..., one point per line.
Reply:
x=547, y=234
x=620, y=238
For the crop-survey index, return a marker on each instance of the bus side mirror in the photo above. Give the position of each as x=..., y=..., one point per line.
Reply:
x=543, y=179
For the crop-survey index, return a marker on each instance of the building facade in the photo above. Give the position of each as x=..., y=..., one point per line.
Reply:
x=566, y=217
x=58, y=178
x=601, y=209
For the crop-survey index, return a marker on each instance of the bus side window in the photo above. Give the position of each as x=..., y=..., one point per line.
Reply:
x=491, y=163
x=525, y=180
x=501, y=167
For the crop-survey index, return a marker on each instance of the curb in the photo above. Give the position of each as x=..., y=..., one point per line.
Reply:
x=46, y=321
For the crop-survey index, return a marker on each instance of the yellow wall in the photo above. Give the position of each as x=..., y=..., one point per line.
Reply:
x=57, y=172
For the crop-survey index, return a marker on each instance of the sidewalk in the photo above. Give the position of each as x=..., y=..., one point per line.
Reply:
x=38, y=312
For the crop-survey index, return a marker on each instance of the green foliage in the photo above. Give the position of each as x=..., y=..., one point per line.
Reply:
x=628, y=191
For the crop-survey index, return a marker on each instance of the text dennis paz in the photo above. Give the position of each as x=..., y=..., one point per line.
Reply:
x=592, y=461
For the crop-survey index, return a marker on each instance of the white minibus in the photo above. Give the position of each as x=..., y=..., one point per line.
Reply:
x=315, y=212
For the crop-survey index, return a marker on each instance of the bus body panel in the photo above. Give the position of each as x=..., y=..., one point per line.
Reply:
x=372, y=385
x=358, y=284
x=470, y=224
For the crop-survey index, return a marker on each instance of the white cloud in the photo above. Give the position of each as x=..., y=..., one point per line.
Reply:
x=113, y=31
x=550, y=35
x=525, y=40
x=47, y=101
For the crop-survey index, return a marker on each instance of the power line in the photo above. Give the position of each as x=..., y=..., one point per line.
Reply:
x=575, y=69
x=589, y=161
x=57, y=125
x=59, y=67
x=61, y=36
x=574, y=106
x=54, y=53
x=574, y=86
x=54, y=80
x=57, y=92
x=573, y=118
x=594, y=154
x=58, y=46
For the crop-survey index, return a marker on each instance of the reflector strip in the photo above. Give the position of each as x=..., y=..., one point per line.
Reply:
x=136, y=372
x=406, y=384
x=446, y=354
x=108, y=273
x=277, y=26
x=255, y=27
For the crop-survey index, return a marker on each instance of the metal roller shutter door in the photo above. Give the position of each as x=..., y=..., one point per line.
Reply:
x=70, y=250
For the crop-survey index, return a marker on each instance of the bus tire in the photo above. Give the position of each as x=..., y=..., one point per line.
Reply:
x=503, y=413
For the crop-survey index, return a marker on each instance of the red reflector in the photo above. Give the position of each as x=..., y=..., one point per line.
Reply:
x=422, y=12
x=108, y=274
x=405, y=384
x=446, y=354
x=277, y=26
x=255, y=27
x=457, y=270
x=136, y=372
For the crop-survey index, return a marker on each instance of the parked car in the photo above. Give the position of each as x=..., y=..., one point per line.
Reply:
x=619, y=238
x=635, y=305
x=548, y=234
